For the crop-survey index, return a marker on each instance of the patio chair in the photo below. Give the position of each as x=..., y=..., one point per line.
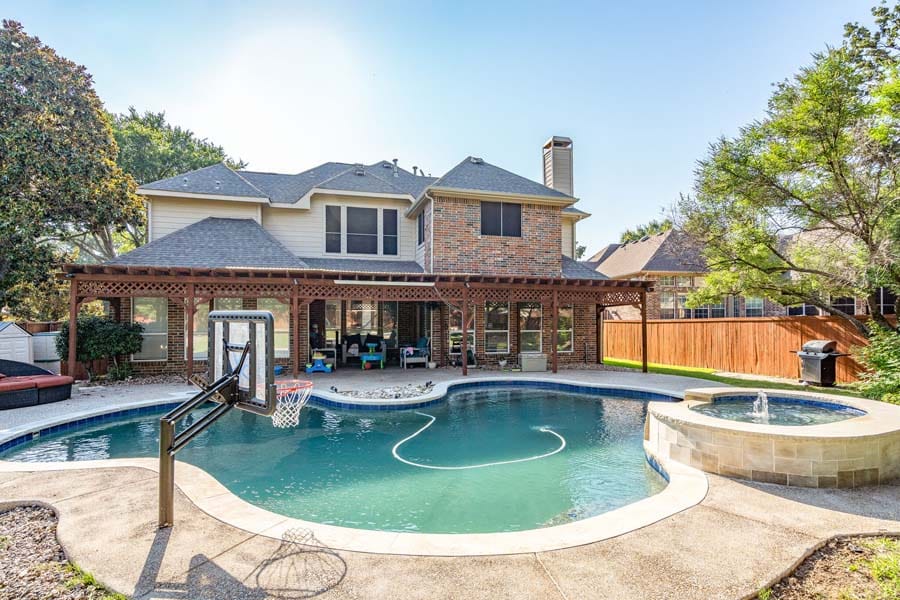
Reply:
x=418, y=355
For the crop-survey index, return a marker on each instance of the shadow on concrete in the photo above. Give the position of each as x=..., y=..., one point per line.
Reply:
x=301, y=567
x=877, y=502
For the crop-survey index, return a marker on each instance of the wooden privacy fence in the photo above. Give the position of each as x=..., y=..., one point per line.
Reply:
x=760, y=346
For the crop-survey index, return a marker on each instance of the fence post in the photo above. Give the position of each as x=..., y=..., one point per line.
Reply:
x=644, y=331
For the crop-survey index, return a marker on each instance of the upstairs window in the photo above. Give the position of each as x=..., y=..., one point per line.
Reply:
x=362, y=230
x=333, y=229
x=420, y=226
x=389, y=231
x=501, y=218
x=753, y=306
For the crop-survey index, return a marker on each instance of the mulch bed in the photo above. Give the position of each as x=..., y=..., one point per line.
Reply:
x=33, y=565
x=837, y=571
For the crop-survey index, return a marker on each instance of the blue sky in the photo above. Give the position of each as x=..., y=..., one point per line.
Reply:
x=641, y=87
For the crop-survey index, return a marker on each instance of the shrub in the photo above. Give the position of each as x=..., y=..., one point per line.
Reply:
x=100, y=337
x=881, y=358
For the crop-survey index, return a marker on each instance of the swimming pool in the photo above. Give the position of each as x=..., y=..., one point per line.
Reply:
x=781, y=411
x=496, y=459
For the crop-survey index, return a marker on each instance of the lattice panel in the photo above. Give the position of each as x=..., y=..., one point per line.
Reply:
x=490, y=295
x=242, y=290
x=400, y=293
x=619, y=298
x=122, y=289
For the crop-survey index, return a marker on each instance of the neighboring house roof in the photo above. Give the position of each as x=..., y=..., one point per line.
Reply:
x=216, y=180
x=474, y=174
x=572, y=269
x=213, y=243
x=667, y=252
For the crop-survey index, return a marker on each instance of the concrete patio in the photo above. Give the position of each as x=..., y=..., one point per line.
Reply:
x=741, y=537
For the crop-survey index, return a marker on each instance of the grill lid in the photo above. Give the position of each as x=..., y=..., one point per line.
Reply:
x=820, y=346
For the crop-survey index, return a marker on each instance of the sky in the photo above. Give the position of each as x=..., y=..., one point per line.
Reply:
x=642, y=88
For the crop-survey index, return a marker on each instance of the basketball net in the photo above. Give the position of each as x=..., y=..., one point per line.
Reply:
x=291, y=396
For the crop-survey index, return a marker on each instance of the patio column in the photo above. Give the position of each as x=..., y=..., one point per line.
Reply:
x=295, y=334
x=464, y=345
x=644, y=331
x=191, y=308
x=73, y=326
x=554, y=331
x=600, y=310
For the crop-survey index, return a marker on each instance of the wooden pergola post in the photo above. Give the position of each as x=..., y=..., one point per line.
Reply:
x=644, y=331
x=73, y=326
x=295, y=337
x=191, y=308
x=464, y=345
x=600, y=310
x=554, y=331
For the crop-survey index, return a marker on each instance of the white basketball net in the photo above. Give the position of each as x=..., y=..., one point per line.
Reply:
x=292, y=395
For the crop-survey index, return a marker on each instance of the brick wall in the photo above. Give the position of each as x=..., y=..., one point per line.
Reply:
x=462, y=248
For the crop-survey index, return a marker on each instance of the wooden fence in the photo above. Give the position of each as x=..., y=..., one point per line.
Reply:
x=761, y=346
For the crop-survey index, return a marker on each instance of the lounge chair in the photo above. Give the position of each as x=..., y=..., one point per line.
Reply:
x=418, y=355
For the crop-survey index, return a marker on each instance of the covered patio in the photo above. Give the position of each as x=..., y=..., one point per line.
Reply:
x=188, y=290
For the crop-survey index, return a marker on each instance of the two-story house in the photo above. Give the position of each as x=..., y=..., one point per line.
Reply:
x=479, y=260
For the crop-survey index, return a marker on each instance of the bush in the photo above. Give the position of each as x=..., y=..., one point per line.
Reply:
x=120, y=372
x=881, y=358
x=100, y=337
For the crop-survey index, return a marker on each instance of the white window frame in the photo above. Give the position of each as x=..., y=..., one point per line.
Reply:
x=761, y=308
x=145, y=335
x=279, y=352
x=380, y=231
x=670, y=306
x=571, y=331
x=487, y=331
x=539, y=331
x=375, y=312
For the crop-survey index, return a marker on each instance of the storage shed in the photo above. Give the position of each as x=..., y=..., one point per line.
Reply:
x=15, y=343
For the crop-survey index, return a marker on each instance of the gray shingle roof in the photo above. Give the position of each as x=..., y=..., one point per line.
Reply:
x=475, y=174
x=572, y=269
x=361, y=265
x=214, y=243
x=215, y=179
x=668, y=252
x=287, y=189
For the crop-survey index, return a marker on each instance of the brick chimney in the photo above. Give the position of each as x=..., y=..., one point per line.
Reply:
x=558, y=165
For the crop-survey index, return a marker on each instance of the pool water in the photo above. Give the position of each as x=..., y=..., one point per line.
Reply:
x=487, y=460
x=782, y=411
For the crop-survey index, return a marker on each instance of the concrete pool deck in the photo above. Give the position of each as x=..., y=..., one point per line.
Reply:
x=739, y=538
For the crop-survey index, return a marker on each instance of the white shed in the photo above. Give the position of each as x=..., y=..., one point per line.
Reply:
x=15, y=343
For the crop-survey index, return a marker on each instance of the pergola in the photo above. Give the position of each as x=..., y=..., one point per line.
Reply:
x=193, y=286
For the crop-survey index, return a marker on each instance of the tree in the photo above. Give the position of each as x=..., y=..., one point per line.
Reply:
x=652, y=228
x=98, y=338
x=800, y=205
x=58, y=176
x=580, y=249
x=150, y=149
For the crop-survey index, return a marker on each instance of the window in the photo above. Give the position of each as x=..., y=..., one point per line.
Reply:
x=496, y=327
x=717, y=310
x=668, y=280
x=389, y=231
x=456, y=330
x=333, y=229
x=153, y=314
x=887, y=300
x=683, y=311
x=362, y=318
x=564, y=329
x=389, y=323
x=501, y=218
x=683, y=282
x=332, y=322
x=667, y=305
x=530, y=321
x=362, y=230
x=282, y=314
x=201, y=324
x=846, y=304
x=753, y=307
x=420, y=227
x=701, y=312
x=802, y=310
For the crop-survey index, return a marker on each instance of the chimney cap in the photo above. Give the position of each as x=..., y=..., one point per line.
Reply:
x=558, y=141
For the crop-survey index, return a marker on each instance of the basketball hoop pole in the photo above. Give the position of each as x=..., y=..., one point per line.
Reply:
x=170, y=442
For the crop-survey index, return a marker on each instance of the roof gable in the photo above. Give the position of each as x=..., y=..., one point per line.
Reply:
x=477, y=175
x=215, y=179
x=669, y=252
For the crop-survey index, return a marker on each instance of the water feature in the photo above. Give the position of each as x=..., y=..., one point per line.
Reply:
x=765, y=410
x=761, y=407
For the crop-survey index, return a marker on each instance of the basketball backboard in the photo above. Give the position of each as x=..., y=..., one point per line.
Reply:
x=229, y=332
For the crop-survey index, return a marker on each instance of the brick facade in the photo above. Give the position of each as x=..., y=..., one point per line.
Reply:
x=462, y=248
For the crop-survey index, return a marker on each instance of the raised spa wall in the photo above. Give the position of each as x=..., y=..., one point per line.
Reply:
x=864, y=450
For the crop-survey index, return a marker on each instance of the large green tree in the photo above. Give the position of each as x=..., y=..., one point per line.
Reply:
x=652, y=227
x=58, y=175
x=802, y=205
x=150, y=149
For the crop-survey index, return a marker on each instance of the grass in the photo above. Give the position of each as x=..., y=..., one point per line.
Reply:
x=82, y=579
x=710, y=375
x=884, y=567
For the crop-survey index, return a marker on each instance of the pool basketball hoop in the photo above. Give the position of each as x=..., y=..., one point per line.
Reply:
x=291, y=396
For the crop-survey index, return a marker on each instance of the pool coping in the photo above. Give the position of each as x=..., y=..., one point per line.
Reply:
x=686, y=487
